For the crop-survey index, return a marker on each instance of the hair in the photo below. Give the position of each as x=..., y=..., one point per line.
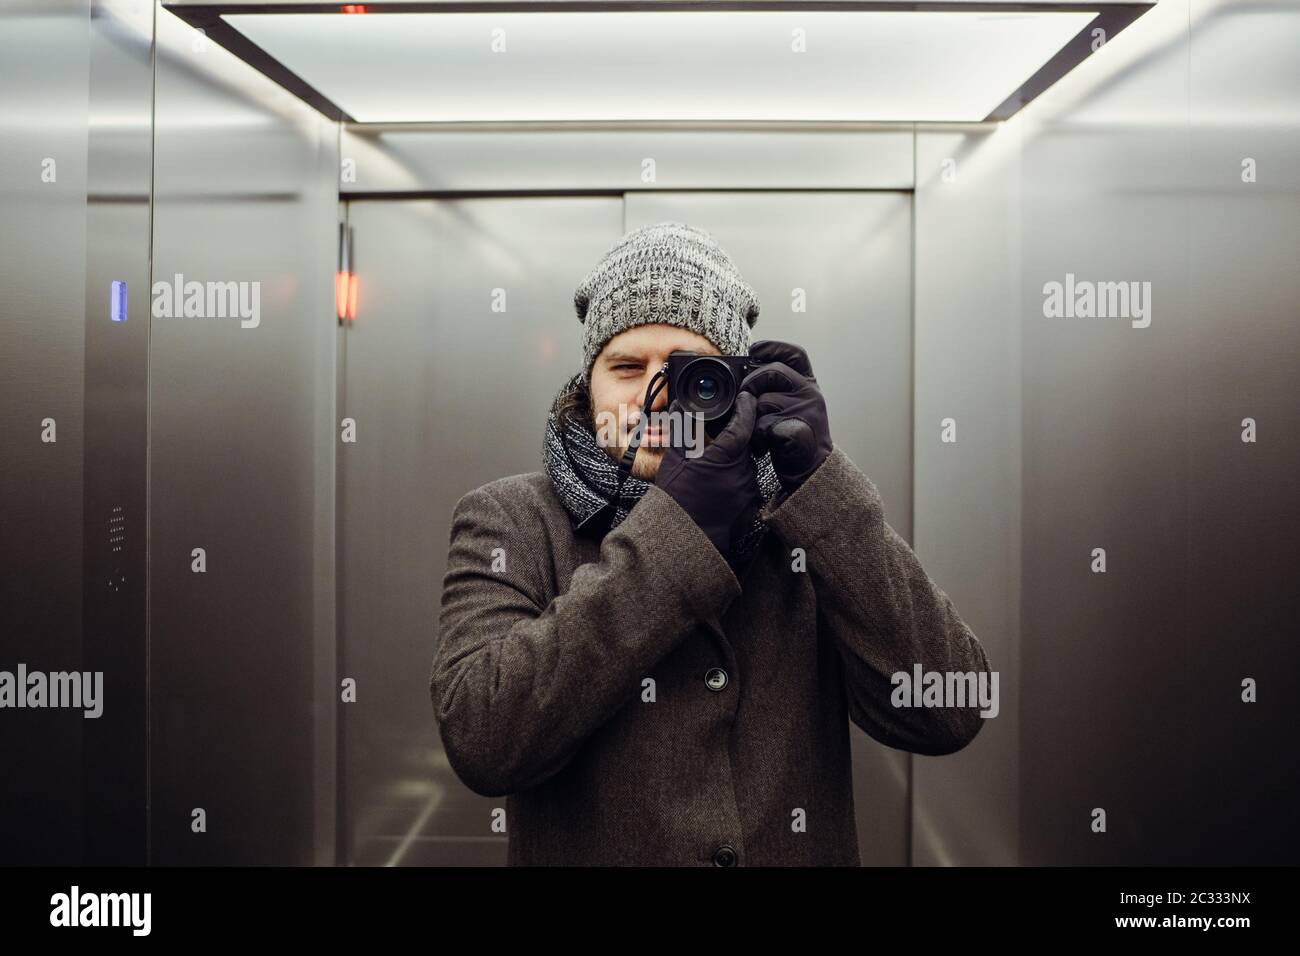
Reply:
x=573, y=404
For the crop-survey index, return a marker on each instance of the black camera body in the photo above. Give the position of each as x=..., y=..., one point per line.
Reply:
x=707, y=385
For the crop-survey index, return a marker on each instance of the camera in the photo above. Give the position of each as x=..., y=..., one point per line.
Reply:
x=707, y=385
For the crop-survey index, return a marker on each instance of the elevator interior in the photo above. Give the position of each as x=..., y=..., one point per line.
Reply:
x=903, y=238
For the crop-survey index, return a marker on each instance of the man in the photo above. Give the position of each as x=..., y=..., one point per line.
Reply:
x=666, y=677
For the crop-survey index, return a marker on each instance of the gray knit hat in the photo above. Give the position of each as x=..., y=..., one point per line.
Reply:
x=669, y=272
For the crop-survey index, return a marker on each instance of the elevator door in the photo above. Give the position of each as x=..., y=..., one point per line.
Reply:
x=464, y=330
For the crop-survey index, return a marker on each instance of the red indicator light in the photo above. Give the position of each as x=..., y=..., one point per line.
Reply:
x=341, y=294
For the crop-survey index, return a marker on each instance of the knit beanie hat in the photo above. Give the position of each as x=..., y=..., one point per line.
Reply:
x=669, y=272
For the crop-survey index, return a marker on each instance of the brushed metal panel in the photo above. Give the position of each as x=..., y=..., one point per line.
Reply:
x=1125, y=687
x=243, y=433
x=850, y=254
x=44, y=112
x=116, y=428
x=965, y=805
x=1130, y=680
x=76, y=168
x=446, y=394
x=1243, y=500
x=1104, y=454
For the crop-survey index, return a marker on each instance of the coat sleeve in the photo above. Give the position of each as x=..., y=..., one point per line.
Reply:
x=519, y=683
x=879, y=606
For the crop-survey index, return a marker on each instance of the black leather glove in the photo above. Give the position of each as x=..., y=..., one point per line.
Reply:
x=792, y=421
x=718, y=488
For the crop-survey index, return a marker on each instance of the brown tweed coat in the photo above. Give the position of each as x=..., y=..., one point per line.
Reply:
x=638, y=704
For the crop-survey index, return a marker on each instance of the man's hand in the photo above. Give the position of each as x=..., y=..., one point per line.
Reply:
x=792, y=421
x=719, y=488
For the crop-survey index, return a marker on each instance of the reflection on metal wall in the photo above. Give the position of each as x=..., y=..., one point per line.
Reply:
x=447, y=393
x=241, y=423
x=832, y=271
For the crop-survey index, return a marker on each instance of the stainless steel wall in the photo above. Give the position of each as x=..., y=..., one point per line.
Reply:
x=44, y=115
x=1132, y=440
x=1125, y=686
x=241, y=466
x=229, y=431
x=965, y=806
x=1241, y=359
x=74, y=172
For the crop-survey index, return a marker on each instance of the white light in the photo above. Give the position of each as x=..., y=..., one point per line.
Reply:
x=873, y=66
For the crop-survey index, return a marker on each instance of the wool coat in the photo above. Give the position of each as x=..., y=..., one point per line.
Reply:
x=637, y=703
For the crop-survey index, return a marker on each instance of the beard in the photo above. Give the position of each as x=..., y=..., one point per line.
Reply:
x=646, y=464
x=648, y=457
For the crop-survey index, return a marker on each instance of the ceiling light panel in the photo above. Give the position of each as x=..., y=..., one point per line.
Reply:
x=876, y=65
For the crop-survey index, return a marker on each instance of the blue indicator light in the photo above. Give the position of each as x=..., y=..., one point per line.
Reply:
x=117, y=301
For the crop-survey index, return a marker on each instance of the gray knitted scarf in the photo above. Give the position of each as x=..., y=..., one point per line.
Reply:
x=585, y=476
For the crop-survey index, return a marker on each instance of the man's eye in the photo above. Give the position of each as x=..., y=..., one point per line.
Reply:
x=626, y=366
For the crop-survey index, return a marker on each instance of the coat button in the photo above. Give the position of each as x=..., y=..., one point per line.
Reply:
x=724, y=855
x=715, y=678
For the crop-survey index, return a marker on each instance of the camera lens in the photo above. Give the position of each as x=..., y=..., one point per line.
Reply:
x=708, y=386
